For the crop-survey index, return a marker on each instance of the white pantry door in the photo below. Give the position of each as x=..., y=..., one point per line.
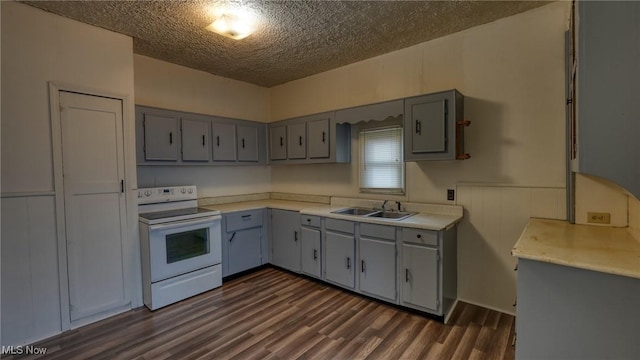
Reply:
x=94, y=202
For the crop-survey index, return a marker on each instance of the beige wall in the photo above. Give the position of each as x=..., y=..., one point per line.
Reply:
x=165, y=85
x=512, y=75
x=38, y=47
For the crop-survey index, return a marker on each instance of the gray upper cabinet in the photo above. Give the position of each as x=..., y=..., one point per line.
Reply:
x=247, y=143
x=310, y=139
x=607, y=91
x=160, y=137
x=224, y=141
x=297, y=144
x=434, y=127
x=318, y=138
x=195, y=140
x=278, y=142
x=371, y=112
x=202, y=139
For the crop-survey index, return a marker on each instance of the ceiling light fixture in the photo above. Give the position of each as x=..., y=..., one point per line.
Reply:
x=237, y=25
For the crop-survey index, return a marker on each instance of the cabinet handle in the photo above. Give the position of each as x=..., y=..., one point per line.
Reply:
x=295, y=236
x=232, y=236
x=406, y=275
x=218, y=141
x=315, y=254
x=348, y=262
x=122, y=186
x=324, y=137
x=300, y=141
x=246, y=217
x=171, y=138
x=308, y=220
x=243, y=143
x=203, y=144
x=419, y=127
x=362, y=265
x=419, y=236
x=281, y=141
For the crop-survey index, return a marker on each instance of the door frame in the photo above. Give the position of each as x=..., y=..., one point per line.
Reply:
x=131, y=247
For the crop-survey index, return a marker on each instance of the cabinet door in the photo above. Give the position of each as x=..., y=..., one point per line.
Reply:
x=378, y=268
x=224, y=142
x=340, y=251
x=247, y=143
x=244, y=250
x=285, y=239
x=318, y=139
x=428, y=127
x=195, y=140
x=420, y=276
x=160, y=137
x=297, y=144
x=310, y=256
x=277, y=143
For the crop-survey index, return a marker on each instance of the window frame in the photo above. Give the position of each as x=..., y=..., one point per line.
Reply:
x=362, y=157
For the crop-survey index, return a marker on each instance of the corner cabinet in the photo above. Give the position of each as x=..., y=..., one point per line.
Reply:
x=243, y=241
x=608, y=110
x=310, y=139
x=434, y=127
x=167, y=137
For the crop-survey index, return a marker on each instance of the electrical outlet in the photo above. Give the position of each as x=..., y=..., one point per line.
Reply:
x=451, y=194
x=599, y=218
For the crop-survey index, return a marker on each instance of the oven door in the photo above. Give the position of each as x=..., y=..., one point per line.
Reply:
x=183, y=246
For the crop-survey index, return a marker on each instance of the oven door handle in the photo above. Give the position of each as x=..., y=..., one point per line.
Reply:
x=189, y=222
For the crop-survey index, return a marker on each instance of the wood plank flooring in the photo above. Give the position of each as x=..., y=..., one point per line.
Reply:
x=272, y=314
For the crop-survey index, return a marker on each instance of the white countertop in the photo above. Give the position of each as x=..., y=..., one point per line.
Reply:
x=422, y=220
x=605, y=249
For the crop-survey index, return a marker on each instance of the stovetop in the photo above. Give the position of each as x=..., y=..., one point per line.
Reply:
x=158, y=217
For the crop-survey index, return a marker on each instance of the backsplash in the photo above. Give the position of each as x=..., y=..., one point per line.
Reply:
x=594, y=194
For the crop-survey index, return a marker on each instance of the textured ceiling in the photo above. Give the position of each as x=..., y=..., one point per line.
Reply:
x=295, y=39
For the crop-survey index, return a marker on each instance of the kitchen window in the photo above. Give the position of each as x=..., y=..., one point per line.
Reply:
x=381, y=160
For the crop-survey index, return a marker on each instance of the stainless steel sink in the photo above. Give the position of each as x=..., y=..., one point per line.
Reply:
x=356, y=211
x=392, y=215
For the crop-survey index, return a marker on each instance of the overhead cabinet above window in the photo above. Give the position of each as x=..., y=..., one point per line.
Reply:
x=166, y=137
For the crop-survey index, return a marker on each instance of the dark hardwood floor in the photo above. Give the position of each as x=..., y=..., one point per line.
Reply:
x=272, y=314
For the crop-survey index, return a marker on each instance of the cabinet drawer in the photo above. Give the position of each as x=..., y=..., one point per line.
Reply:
x=310, y=220
x=378, y=231
x=243, y=220
x=417, y=236
x=340, y=225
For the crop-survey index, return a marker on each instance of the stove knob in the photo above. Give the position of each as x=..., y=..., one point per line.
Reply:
x=139, y=194
x=190, y=190
x=183, y=190
x=147, y=192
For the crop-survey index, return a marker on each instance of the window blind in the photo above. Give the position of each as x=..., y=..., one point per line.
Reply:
x=382, y=163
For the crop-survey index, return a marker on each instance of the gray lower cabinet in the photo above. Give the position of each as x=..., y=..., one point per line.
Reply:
x=224, y=141
x=433, y=127
x=195, y=139
x=242, y=241
x=378, y=268
x=311, y=255
x=570, y=313
x=247, y=141
x=428, y=271
x=285, y=239
x=160, y=134
x=340, y=249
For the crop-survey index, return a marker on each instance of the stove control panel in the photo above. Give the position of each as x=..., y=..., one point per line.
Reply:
x=167, y=194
